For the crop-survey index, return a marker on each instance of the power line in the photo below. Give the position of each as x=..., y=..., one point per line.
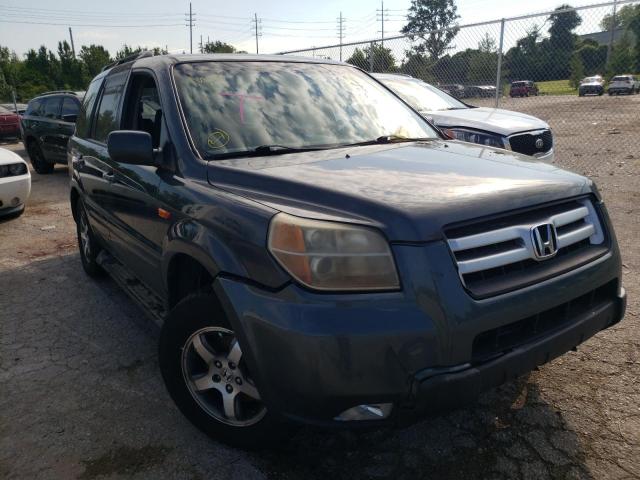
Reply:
x=66, y=24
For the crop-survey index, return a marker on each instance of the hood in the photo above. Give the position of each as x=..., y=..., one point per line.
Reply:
x=592, y=84
x=410, y=191
x=8, y=157
x=504, y=122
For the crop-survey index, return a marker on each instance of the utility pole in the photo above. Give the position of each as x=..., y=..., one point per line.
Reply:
x=612, y=30
x=382, y=13
x=191, y=24
x=340, y=32
x=256, y=24
x=73, y=47
x=201, y=45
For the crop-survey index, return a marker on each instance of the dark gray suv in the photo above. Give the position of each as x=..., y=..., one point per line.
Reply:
x=316, y=252
x=46, y=127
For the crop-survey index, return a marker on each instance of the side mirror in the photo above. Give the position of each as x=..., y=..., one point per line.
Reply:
x=130, y=146
x=71, y=118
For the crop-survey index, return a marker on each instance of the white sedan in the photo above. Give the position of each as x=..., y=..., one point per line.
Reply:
x=15, y=183
x=494, y=127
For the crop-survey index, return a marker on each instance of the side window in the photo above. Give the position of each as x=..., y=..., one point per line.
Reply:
x=107, y=119
x=143, y=110
x=84, y=117
x=69, y=107
x=34, y=107
x=52, y=107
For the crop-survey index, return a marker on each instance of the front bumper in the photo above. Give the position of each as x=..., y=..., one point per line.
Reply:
x=315, y=355
x=14, y=192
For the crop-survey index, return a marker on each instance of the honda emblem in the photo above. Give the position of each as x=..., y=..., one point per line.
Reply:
x=545, y=241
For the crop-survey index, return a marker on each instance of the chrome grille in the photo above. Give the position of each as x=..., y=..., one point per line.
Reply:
x=491, y=260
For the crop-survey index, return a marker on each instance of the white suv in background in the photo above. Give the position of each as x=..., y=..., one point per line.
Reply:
x=624, y=84
x=493, y=127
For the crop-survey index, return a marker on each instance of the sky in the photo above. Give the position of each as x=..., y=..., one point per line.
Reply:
x=282, y=24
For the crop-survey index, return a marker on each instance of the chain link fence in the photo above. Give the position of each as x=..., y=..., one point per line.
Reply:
x=532, y=64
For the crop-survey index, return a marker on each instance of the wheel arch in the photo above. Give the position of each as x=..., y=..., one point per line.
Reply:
x=74, y=195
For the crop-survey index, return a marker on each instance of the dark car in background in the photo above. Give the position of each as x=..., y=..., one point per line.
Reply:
x=317, y=252
x=9, y=123
x=455, y=90
x=523, y=88
x=47, y=125
x=591, y=86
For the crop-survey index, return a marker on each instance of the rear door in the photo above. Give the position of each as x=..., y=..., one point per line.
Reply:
x=67, y=124
x=48, y=128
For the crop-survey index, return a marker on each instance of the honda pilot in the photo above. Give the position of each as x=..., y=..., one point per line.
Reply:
x=316, y=252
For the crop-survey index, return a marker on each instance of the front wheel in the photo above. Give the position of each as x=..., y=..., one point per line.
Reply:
x=207, y=376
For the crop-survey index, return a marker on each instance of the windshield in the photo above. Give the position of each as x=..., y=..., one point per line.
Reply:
x=240, y=106
x=421, y=95
x=591, y=80
x=621, y=79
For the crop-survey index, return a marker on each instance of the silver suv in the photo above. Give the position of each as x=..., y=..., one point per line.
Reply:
x=624, y=84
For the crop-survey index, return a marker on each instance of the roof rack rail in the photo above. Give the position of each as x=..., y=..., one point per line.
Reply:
x=54, y=92
x=130, y=58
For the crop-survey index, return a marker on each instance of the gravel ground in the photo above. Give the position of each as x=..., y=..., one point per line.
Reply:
x=81, y=395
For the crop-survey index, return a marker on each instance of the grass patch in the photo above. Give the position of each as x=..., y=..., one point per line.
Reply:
x=556, y=87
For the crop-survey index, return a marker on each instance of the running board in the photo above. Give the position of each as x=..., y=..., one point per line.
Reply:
x=151, y=304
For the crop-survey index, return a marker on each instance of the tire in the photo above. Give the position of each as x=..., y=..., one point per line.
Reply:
x=87, y=244
x=197, y=344
x=39, y=163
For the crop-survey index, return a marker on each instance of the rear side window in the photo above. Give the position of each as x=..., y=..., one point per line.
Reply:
x=84, y=118
x=52, y=107
x=69, y=107
x=107, y=118
x=34, y=108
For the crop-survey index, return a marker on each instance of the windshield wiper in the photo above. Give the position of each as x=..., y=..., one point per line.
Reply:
x=384, y=139
x=263, y=150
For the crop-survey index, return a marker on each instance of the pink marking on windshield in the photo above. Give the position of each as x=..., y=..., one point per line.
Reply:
x=242, y=97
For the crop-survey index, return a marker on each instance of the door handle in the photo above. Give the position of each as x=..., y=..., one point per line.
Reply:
x=109, y=176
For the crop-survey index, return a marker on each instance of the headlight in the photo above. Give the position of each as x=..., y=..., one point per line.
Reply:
x=13, y=169
x=332, y=256
x=474, y=136
x=17, y=169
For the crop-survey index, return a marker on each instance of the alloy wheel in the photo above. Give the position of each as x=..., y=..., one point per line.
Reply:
x=217, y=378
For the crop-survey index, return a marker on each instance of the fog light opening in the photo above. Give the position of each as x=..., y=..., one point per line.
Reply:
x=377, y=411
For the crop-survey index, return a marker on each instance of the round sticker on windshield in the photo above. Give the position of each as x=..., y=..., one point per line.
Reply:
x=218, y=139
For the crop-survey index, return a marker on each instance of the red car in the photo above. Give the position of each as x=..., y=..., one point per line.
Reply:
x=523, y=88
x=9, y=123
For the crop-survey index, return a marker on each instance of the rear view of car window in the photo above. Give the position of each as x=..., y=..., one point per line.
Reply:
x=52, y=107
x=33, y=108
x=83, y=123
x=69, y=107
x=107, y=117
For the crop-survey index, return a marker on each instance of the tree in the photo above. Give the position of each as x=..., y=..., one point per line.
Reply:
x=382, y=61
x=633, y=26
x=218, y=47
x=558, y=49
x=127, y=51
x=433, y=24
x=487, y=44
x=576, y=69
x=359, y=59
x=621, y=57
x=623, y=17
x=94, y=57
